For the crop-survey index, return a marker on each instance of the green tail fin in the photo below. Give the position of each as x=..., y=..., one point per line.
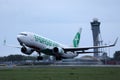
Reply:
x=76, y=40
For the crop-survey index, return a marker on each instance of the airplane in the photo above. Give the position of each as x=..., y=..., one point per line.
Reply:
x=30, y=42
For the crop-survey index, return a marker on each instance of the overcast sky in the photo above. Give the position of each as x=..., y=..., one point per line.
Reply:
x=58, y=20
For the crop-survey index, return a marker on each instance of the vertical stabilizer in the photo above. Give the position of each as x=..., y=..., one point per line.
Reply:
x=76, y=39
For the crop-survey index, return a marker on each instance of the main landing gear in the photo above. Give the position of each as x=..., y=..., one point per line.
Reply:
x=39, y=57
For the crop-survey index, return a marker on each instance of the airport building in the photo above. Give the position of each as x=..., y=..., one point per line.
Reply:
x=97, y=39
x=85, y=60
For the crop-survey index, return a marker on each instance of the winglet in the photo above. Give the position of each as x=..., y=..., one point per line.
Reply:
x=4, y=42
x=115, y=42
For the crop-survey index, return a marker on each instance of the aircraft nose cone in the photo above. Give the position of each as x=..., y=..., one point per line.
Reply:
x=19, y=38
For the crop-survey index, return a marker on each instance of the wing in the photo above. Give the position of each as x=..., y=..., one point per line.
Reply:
x=13, y=46
x=87, y=48
x=4, y=44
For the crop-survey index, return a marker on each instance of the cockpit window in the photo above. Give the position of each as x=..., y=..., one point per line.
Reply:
x=23, y=34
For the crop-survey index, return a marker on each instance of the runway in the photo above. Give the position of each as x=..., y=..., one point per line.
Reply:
x=55, y=66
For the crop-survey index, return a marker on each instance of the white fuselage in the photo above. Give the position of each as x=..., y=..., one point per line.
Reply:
x=39, y=43
x=32, y=42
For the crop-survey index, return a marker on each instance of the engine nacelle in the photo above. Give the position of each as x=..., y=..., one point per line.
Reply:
x=58, y=53
x=58, y=50
x=26, y=50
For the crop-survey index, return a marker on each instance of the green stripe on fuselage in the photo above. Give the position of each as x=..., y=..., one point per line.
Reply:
x=45, y=41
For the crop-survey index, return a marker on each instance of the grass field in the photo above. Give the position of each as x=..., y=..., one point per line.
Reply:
x=70, y=73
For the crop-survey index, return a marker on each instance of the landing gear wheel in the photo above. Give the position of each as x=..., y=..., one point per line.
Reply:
x=21, y=44
x=39, y=58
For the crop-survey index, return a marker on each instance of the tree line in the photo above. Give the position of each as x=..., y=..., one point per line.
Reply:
x=117, y=56
x=16, y=57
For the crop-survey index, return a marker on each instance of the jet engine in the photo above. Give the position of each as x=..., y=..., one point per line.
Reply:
x=26, y=50
x=58, y=50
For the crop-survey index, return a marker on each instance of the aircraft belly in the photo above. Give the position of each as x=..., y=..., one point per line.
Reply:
x=69, y=55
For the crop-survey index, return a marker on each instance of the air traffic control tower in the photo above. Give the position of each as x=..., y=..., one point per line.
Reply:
x=95, y=26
